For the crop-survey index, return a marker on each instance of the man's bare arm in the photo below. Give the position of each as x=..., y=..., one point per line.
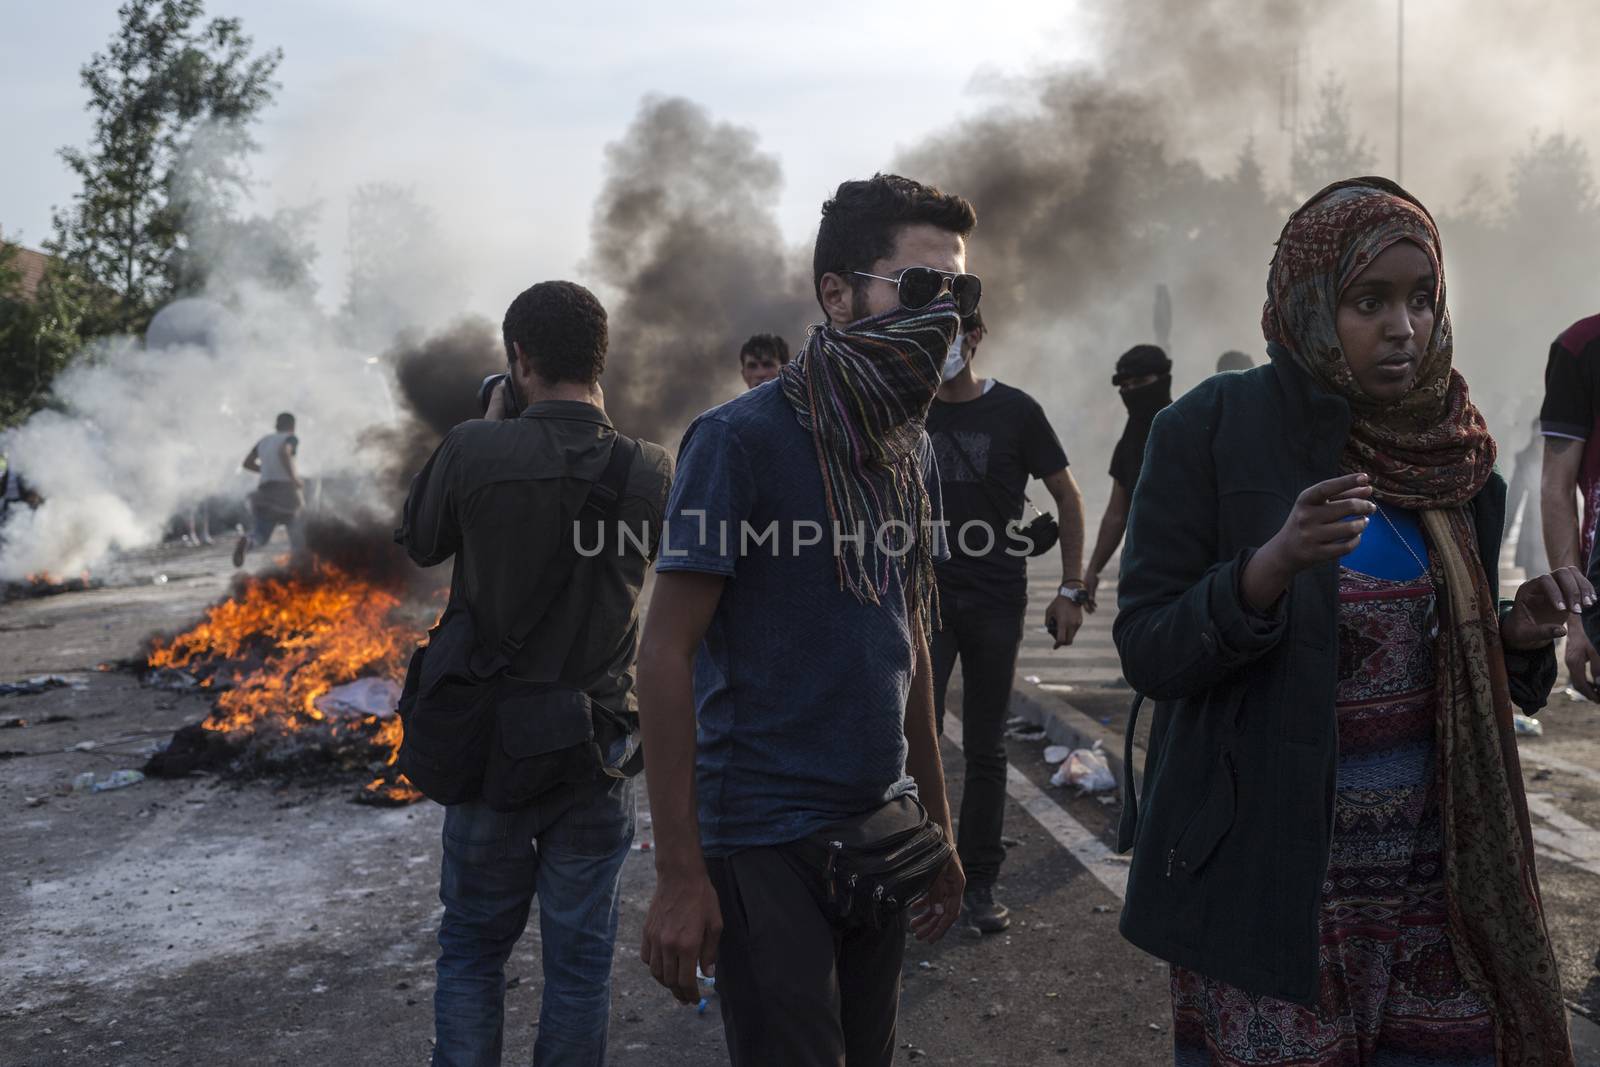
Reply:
x=923, y=760
x=684, y=923
x=286, y=454
x=252, y=462
x=1113, y=524
x=1563, y=541
x=941, y=906
x=1069, y=509
x=1558, y=502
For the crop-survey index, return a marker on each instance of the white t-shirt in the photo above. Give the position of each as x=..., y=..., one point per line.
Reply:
x=269, y=450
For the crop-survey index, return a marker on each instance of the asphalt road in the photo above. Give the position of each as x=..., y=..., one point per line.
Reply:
x=212, y=922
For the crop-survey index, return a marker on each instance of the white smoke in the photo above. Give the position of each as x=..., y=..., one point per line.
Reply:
x=146, y=432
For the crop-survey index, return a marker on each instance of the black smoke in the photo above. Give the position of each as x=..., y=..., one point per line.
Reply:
x=685, y=229
x=437, y=377
x=439, y=374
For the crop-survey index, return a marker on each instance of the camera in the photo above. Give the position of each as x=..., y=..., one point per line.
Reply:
x=486, y=389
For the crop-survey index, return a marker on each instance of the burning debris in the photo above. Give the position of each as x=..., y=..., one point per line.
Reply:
x=279, y=655
x=45, y=584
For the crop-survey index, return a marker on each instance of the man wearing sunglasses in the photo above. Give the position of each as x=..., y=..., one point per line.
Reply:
x=805, y=665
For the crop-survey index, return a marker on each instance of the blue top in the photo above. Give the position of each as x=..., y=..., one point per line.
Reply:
x=1383, y=555
x=800, y=689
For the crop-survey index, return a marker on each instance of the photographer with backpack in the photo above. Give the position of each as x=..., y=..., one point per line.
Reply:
x=520, y=714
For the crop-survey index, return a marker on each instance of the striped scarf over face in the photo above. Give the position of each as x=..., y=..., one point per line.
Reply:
x=863, y=392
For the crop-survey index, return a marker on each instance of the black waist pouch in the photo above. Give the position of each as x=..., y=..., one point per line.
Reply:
x=873, y=867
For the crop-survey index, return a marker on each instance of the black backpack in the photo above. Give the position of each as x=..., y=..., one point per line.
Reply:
x=475, y=731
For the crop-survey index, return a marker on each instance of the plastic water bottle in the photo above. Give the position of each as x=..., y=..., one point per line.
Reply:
x=117, y=780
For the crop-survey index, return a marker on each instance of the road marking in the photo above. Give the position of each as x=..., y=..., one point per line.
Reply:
x=1573, y=841
x=1532, y=754
x=1070, y=834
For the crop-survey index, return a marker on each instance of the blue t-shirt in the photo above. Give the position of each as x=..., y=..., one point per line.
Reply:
x=1383, y=555
x=800, y=689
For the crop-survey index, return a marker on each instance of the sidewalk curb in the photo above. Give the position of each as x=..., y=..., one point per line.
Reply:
x=1067, y=725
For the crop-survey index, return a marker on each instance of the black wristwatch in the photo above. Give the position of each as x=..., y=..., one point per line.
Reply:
x=1074, y=594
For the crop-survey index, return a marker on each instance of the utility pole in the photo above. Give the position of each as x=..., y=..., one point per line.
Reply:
x=1400, y=91
x=1289, y=105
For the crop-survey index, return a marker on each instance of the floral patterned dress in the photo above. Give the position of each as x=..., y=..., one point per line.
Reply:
x=1391, y=994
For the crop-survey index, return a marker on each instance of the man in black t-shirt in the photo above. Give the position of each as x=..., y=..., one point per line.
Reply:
x=1144, y=380
x=1572, y=469
x=989, y=440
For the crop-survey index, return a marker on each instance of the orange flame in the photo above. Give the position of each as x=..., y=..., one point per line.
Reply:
x=286, y=640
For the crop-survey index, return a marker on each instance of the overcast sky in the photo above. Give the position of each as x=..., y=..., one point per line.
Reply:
x=498, y=113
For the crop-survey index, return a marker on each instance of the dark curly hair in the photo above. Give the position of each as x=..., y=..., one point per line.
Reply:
x=862, y=221
x=562, y=330
x=763, y=345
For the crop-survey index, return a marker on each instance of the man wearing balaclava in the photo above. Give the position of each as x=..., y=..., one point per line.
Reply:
x=1144, y=378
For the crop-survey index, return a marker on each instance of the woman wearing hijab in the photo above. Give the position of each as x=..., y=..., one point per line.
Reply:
x=1333, y=849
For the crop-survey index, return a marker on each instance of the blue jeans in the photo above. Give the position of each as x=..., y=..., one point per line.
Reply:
x=567, y=850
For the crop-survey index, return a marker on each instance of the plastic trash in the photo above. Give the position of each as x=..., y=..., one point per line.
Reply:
x=1032, y=678
x=33, y=686
x=1056, y=753
x=1527, y=727
x=1086, y=769
x=360, y=698
x=83, y=782
x=708, y=989
x=117, y=780
x=1030, y=732
x=171, y=678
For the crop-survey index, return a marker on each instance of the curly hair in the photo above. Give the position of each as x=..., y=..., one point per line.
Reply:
x=562, y=330
x=765, y=345
x=863, y=219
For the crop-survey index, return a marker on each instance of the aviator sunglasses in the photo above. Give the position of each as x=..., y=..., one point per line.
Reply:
x=920, y=286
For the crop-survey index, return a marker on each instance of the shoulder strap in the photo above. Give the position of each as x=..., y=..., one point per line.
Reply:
x=990, y=485
x=1128, y=825
x=600, y=503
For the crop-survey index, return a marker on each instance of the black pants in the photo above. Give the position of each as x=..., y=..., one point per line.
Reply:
x=986, y=641
x=795, y=991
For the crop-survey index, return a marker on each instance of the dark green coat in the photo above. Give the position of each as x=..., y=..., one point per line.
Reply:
x=1232, y=828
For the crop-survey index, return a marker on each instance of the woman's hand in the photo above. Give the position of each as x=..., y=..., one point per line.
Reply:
x=1544, y=607
x=1326, y=524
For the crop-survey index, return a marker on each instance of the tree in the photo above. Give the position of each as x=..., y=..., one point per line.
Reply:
x=401, y=274
x=164, y=78
x=1552, y=187
x=38, y=335
x=1328, y=149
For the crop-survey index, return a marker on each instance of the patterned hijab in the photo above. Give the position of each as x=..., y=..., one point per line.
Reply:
x=863, y=391
x=1430, y=451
